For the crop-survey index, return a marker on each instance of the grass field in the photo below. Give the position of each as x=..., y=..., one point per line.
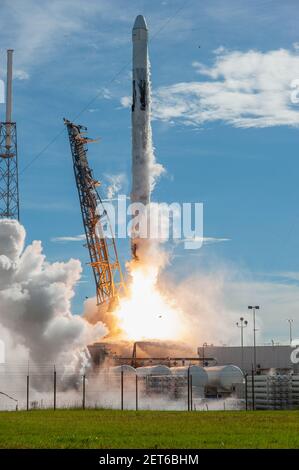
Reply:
x=106, y=429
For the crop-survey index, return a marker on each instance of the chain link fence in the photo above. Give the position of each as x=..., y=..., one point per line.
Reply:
x=49, y=386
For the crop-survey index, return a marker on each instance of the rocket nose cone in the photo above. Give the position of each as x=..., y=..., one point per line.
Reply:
x=140, y=23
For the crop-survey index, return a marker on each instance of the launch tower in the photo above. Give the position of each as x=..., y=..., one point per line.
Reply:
x=9, y=186
x=102, y=249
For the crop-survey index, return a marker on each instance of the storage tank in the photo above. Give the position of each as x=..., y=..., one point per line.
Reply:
x=153, y=370
x=156, y=379
x=224, y=377
x=160, y=370
x=199, y=375
x=125, y=368
x=143, y=371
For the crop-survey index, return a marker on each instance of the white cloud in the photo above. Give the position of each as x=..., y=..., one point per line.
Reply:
x=210, y=240
x=75, y=238
x=126, y=101
x=38, y=29
x=21, y=74
x=106, y=93
x=244, y=89
x=195, y=243
x=205, y=240
x=288, y=275
x=35, y=28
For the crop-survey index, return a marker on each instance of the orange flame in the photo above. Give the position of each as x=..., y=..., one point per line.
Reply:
x=146, y=313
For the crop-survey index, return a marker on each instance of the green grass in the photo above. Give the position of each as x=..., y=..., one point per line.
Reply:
x=108, y=429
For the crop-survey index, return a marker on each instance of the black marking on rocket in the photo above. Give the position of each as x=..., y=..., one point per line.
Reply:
x=142, y=92
x=134, y=96
x=142, y=86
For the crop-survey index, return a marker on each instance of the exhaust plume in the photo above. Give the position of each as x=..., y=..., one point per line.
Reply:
x=35, y=301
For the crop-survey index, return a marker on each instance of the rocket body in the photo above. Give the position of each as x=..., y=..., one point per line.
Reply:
x=142, y=152
x=141, y=132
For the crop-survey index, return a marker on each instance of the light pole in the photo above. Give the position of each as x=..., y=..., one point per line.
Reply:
x=291, y=321
x=243, y=324
x=203, y=353
x=254, y=308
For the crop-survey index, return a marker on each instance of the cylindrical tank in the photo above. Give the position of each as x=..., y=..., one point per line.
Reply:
x=153, y=370
x=199, y=375
x=224, y=377
x=143, y=371
x=160, y=370
x=125, y=368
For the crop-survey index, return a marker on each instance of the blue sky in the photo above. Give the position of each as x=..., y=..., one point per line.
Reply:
x=224, y=128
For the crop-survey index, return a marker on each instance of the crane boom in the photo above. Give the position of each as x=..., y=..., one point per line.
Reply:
x=102, y=250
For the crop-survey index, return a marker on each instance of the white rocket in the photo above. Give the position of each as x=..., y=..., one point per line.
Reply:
x=142, y=151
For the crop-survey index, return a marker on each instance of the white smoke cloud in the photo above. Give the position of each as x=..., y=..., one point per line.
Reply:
x=35, y=301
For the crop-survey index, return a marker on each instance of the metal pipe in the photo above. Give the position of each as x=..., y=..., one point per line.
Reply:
x=54, y=405
x=243, y=324
x=27, y=397
x=165, y=359
x=136, y=378
x=246, y=393
x=252, y=383
x=8, y=99
x=254, y=341
x=83, y=398
x=122, y=389
x=9, y=86
x=188, y=384
x=191, y=393
x=254, y=308
x=203, y=353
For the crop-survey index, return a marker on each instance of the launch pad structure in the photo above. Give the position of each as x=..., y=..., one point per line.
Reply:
x=9, y=184
x=102, y=249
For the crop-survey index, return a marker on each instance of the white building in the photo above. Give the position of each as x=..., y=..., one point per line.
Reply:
x=267, y=357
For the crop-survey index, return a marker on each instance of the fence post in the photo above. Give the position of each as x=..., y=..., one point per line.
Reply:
x=252, y=385
x=246, y=392
x=54, y=388
x=122, y=389
x=136, y=390
x=27, y=398
x=188, y=384
x=191, y=393
x=83, y=390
